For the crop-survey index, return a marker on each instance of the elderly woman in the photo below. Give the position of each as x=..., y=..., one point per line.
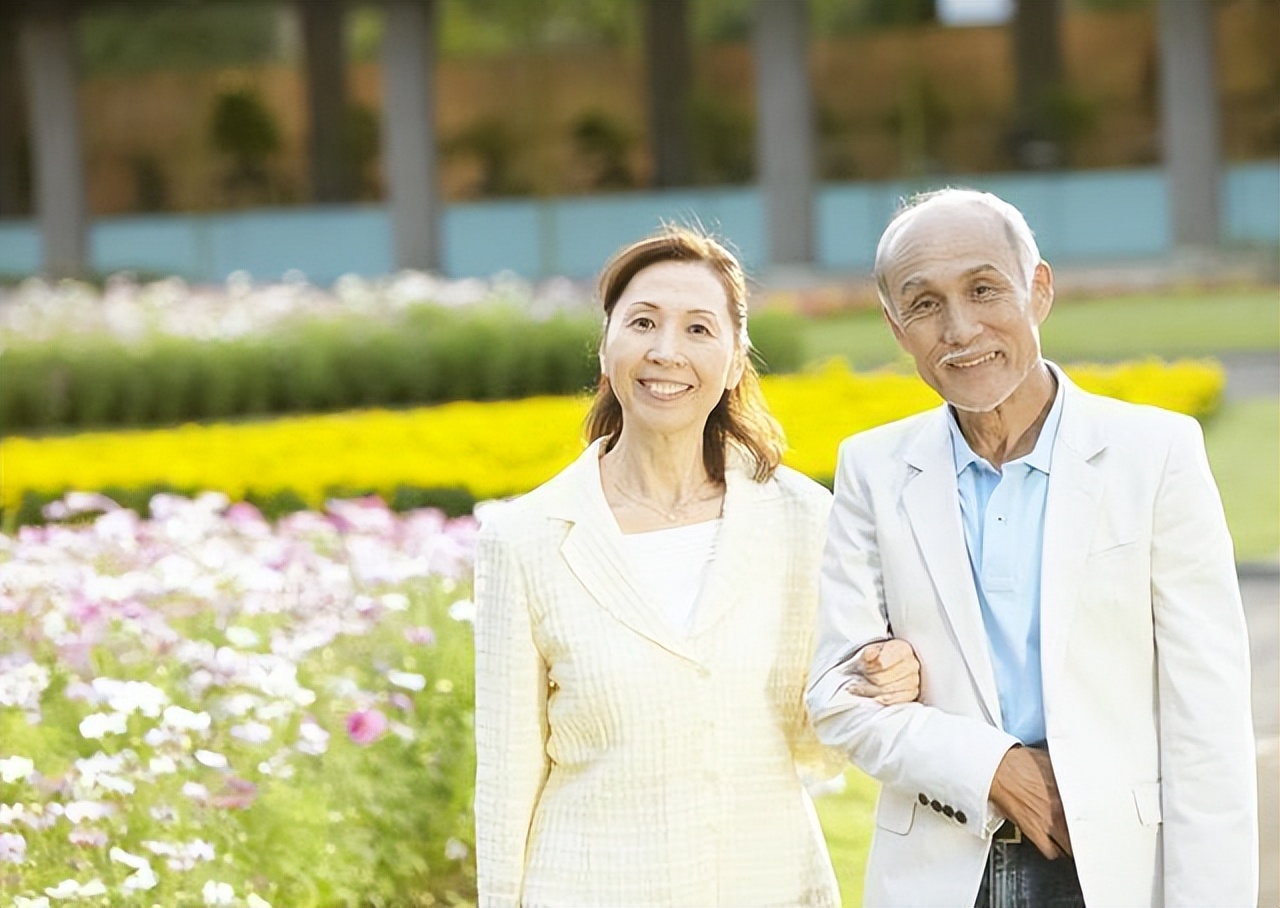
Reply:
x=645, y=621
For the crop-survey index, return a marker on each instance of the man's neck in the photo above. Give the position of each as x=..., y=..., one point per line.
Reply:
x=1012, y=429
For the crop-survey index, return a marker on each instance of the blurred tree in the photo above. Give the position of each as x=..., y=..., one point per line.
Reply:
x=178, y=34
x=495, y=150
x=244, y=129
x=605, y=145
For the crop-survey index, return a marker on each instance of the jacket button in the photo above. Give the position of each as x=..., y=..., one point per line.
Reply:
x=924, y=798
x=948, y=810
x=960, y=817
x=936, y=805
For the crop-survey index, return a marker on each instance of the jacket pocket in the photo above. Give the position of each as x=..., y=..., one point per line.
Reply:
x=1146, y=798
x=895, y=812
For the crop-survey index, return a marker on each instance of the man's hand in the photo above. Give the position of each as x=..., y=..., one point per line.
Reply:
x=1025, y=790
x=886, y=672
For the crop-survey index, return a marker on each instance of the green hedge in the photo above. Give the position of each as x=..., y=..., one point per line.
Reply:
x=428, y=354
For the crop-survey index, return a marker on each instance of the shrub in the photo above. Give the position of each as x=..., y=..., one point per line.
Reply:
x=422, y=355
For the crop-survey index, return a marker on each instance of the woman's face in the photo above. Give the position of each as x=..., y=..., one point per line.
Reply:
x=670, y=349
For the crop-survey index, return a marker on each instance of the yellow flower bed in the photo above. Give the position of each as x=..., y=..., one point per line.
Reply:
x=494, y=449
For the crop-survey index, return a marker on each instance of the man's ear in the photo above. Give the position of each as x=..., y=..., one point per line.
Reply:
x=1042, y=292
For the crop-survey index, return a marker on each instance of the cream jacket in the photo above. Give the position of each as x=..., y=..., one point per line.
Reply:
x=620, y=762
x=1144, y=656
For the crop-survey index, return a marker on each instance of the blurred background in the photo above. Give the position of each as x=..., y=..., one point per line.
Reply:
x=473, y=136
x=289, y=289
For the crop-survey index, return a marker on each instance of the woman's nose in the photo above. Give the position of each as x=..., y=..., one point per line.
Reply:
x=665, y=349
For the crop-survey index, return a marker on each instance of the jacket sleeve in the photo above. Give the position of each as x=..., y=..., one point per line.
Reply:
x=1207, y=753
x=510, y=717
x=911, y=747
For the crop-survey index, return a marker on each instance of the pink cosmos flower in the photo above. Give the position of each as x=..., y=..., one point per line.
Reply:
x=364, y=726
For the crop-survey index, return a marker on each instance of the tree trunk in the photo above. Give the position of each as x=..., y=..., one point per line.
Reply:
x=325, y=68
x=669, y=68
x=1037, y=62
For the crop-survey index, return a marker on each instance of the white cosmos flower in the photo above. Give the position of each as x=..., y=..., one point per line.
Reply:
x=39, y=901
x=131, y=696
x=133, y=861
x=252, y=732
x=463, y=610
x=185, y=719
x=211, y=759
x=254, y=901
x=99, y=725
x=162, y=765
x=79, y=811
x=142, y=879
x=396, y=602
x=16, y=769
x=242, y=637
x=70, y=889
x=217, y=894
x=407, y=680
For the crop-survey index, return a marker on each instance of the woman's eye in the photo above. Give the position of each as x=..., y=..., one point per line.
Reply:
x=699, y=329
x=643, y=323
x=983, y=290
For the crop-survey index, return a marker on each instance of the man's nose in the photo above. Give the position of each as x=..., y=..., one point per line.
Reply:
x=960, y=325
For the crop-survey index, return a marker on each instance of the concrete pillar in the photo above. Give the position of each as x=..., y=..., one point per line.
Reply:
x=47, y=48
x=325, y=68
x=669, y=74
x=408, y=131
x=785, y=129
x=1190, y=133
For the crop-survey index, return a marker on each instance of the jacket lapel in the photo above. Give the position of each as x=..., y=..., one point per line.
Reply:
x=590, y=549
x=932, y=503
x=1072, y=510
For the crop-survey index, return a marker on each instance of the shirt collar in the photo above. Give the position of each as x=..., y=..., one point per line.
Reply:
x=1041, y=455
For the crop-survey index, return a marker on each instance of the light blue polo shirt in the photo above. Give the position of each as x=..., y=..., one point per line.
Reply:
x=1003, y=516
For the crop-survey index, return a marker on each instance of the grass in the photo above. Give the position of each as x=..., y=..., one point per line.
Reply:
x=1244, y=452
x=848, y=817
x=1096, y=329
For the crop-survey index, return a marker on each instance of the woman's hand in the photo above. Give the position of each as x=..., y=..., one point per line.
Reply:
x=887, y=672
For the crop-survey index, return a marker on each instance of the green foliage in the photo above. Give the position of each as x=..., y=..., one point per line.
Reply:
x=146, y=35
x=427, y=354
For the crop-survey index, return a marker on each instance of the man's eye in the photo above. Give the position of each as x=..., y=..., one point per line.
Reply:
x=983, y=290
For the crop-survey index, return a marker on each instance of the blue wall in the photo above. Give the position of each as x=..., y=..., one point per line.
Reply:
x=1088, y=216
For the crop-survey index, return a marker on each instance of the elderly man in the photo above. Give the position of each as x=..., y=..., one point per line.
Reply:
x=1061, y=564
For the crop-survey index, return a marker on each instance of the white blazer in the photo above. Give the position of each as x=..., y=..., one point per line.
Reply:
x=1144, y=656
x=619, y=761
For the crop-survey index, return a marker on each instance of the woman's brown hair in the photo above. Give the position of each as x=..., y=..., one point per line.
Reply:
x=742, y=417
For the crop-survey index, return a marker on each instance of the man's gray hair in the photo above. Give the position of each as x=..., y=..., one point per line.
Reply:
x=1015, y=227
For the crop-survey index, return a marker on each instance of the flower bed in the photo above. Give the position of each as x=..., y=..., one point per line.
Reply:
x=454, y=454
x=206, y=709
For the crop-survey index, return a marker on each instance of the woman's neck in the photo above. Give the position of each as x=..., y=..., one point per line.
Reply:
x=652, y=482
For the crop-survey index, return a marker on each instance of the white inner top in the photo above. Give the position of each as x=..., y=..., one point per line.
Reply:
x=671, y=566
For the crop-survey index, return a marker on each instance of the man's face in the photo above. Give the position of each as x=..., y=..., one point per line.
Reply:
x=961, y=305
